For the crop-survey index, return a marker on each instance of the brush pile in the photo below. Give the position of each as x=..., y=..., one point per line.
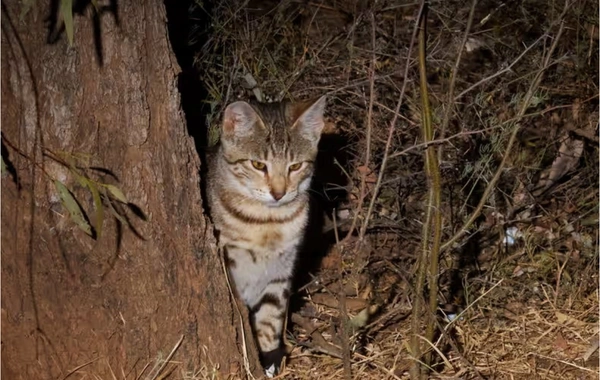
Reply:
x=518, y=294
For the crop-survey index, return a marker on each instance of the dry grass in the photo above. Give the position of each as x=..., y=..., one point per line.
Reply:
x=526, y=310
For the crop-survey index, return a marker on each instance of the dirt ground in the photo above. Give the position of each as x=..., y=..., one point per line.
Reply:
x=518, y=291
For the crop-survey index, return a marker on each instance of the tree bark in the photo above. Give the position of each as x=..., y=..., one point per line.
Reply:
x=109, y=307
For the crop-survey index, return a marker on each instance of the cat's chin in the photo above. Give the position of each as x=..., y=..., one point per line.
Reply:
x=282, y=202
x=270, y=202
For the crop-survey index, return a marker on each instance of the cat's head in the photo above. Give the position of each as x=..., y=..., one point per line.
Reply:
x=270, y=149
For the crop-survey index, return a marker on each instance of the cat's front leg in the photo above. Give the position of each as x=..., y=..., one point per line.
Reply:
x=264, y=286
x=268, y=318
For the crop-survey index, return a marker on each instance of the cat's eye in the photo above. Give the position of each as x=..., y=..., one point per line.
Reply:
x=296, y=166
x=258, y=165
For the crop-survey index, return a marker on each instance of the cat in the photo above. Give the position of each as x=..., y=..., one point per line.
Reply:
x=257, y=190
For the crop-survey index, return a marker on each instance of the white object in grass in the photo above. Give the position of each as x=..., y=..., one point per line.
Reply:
x=511, y=235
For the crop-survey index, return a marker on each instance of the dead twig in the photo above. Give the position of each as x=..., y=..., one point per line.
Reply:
x=363, y=179
x=344, y=336
x=505, y=70
x=513, y=136
x=167, y=360
x=391, y=129
x=319, y=343
x=451, y=101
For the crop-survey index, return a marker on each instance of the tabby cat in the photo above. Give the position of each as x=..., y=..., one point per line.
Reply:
x=257, y=191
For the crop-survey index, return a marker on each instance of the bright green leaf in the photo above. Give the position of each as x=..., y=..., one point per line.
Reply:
x=72, y=206
x=117, y=193
x=66, y=9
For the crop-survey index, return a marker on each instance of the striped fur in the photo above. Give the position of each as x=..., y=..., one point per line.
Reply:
x=261, y=212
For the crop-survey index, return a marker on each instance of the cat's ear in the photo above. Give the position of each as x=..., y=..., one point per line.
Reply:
x=239, y=119
x=310, y=120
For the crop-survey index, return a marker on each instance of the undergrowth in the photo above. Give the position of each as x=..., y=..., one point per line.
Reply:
x=519, y=286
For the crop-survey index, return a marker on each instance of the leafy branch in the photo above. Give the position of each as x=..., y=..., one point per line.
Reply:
x=103, y=194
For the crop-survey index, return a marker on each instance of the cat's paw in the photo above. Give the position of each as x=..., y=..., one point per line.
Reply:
x=271, y=371
x=271, y=361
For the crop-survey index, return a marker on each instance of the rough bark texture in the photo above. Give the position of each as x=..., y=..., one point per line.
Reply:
x=115, y=303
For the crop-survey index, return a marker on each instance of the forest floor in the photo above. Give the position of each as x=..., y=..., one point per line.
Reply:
x=518, y=292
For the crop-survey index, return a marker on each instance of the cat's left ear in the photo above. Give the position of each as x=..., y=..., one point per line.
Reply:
x=239, y=119
x=310, y=121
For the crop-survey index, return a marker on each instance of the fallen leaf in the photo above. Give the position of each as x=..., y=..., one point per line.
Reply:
x=566, y=160
x=594, y=344
x=560, y=343
x=518, y=271
x=564, y=319
x=352, y=304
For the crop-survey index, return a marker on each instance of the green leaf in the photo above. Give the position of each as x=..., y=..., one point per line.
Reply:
x=25, y=8
x=83, y=181
x=97, y=203
x=99, y=208
x=117, y=193
x=72, y=206
x=117, y=215
x=361, y=319
x=66, y=9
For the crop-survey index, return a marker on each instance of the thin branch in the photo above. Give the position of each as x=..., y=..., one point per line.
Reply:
x=451, y=101
x=433, y=219
x=526, y=102
x=363, y=180
x=392, y=127
x=168, y=358
x=505, y=70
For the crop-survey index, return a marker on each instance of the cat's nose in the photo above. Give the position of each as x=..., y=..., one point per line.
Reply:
x=277, y=186
x=277, y=194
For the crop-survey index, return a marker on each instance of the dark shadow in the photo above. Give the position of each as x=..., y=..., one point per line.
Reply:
x=104, y=171
x=137, y=211
x=120, y=209
x=8, y=165
x=183, y=18
x=327, y=191
x=56, y=25
x=119, y=240
x=122, y=219
x=193, y=93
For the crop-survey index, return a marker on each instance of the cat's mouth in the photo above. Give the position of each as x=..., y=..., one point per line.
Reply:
x=286, y=199
x=278, y=203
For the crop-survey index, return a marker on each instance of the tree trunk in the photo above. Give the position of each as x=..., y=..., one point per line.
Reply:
x=114, y=305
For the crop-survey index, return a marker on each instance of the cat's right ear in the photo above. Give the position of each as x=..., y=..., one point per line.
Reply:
x=310, y=121
x=239, y=119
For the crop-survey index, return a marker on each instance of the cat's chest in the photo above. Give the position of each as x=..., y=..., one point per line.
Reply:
x=268, y=237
